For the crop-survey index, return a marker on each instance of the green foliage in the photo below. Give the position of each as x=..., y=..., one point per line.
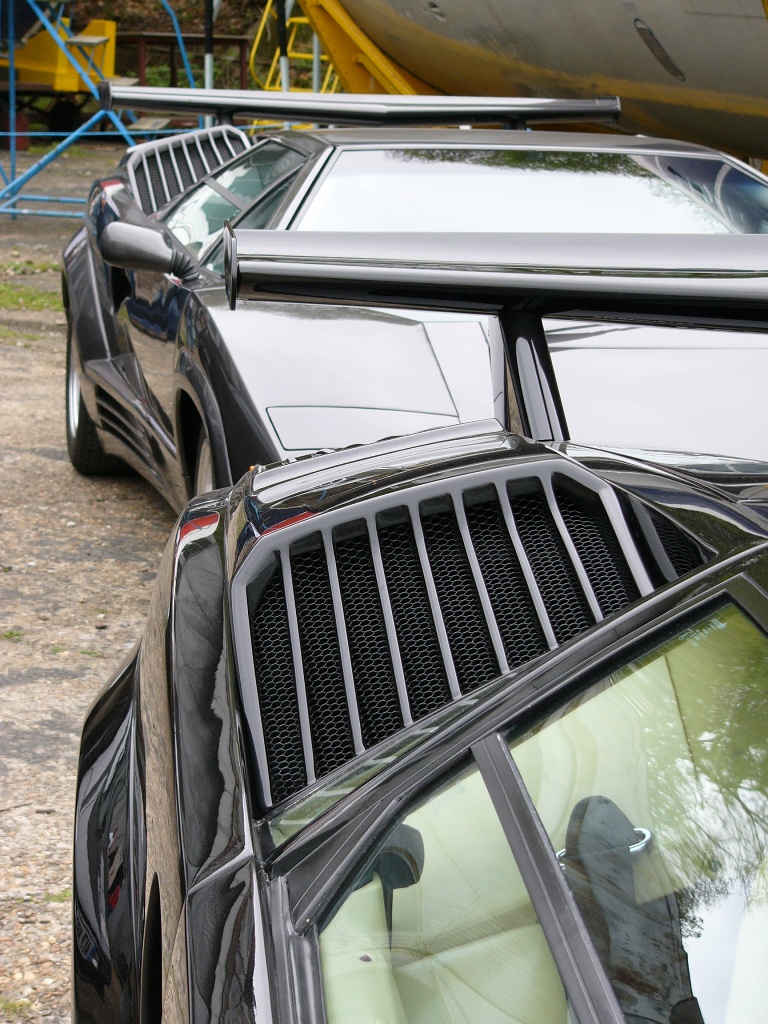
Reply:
x=14, y=635
x=13, y=1009
x=58, y=897
x=21, y=297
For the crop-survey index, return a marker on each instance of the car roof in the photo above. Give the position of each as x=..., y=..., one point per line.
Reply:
x=506, y=139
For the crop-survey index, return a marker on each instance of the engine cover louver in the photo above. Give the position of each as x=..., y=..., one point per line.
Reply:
x=161, y=171
x=386, y=613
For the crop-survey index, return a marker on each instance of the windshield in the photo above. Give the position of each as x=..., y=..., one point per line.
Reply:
x=652, y=785
x=670, y=388
x=523, y=190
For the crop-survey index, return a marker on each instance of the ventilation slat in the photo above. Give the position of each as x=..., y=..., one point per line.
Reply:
x=344, y=651
x=207, y=153
x=150, y=184
x=466, y=628
x=572, y=553
x=424, y=670
x=587, y=522
x=527, y=569
x=389, y=624
x=434, y=603
x=513, y=606
x=378, y=703
x=566, y=604
x=329, y=720
x=276, y=686
x=482, y=591
x=298, y=671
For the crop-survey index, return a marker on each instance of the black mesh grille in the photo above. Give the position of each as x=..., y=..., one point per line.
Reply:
x=237, y=143
x=425, y=677
x=323, y=674
x=465, y=624
x=276, y=685
x=368, y=658
x=183, y=165
x=374, y=676
x=197, y=162
x=513, y=608
x=595, y=541
x=171, y=178
x=156, y=180
x=684, y=554
x=209, y=153
x=558, y=583
x=142, y=187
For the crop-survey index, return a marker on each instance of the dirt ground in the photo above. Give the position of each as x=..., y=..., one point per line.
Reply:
x=77, y=561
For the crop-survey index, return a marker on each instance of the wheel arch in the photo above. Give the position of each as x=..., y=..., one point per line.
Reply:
x=197, y=409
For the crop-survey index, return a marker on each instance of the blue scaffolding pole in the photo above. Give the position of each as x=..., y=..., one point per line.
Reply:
x=13, y=183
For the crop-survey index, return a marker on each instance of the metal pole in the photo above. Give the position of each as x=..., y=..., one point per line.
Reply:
x=316, y=62
x=208, y=52
x=11, y=90
x=282, y=42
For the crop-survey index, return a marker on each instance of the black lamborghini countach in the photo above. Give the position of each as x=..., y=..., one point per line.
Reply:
x=454, y=727
x=164, y=377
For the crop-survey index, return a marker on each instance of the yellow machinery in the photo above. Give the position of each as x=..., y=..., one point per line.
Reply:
x=301, y=54
x=351, y=60
x=41, y=60
x=360, y=64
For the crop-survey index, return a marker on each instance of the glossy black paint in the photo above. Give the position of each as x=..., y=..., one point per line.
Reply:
x=180, y=898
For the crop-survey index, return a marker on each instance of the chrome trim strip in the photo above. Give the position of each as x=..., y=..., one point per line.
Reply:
x=341, y=633
x=434, y=602
x=566, y=538
x=148, y=180
x=298, y=666
x=389, y=619
x=161, y=171
x=525, y=565
x=485, y=601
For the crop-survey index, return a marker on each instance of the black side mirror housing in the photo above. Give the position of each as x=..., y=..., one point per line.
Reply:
x=135, y=247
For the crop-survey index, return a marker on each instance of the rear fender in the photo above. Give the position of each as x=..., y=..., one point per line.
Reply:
x=107, y=857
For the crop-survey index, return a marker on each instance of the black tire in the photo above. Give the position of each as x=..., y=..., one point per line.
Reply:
x=83, y=445
x=204, y=478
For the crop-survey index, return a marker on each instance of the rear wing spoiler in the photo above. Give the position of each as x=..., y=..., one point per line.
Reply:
x=718, y=281
x=715, y=281
x=351, y=109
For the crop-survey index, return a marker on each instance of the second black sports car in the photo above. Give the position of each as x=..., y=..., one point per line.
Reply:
x=162, y=375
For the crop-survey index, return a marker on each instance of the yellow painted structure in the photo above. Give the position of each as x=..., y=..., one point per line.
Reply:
x=300, y=54
x=40, y=61
x=359, y=63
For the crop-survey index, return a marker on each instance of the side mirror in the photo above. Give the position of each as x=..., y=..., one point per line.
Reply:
x=134, y=247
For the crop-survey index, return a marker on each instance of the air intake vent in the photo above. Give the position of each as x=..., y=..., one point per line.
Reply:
x=118, y=421
x=160, y=171
x=366, y=625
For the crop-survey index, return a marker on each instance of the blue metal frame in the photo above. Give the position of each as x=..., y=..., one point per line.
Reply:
x=13, y=183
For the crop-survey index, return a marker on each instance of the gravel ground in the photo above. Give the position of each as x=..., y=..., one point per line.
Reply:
x=77, y=560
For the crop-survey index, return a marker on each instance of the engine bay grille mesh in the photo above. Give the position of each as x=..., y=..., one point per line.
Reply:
x=370, y=623
x=161, y=171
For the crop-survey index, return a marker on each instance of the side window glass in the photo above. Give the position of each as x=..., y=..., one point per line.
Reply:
x=439, y=928
x=197, y=220
x=257, y=218
x=256, y=171
x=653, y=788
